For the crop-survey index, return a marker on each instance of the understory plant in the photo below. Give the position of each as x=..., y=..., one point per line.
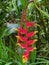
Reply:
x=24, y=37
x=21, y=45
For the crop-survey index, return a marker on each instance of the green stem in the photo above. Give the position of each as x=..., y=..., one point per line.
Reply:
x=40, y=9
x=11, y=39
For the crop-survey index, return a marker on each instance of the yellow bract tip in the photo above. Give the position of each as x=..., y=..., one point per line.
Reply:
x=15, y=29
x=24, y=59
x=37, y=25
x=17, y=36
x=36, y=40
x=35, y=48
x=36, y=32
x=18, y=44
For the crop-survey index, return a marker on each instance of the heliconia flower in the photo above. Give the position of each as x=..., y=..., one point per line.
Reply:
x=23, y=41
x=31, y=33
x=31, y=41
x=22, y=38
x=30, y=23
x=25, y=56
x=21, y=30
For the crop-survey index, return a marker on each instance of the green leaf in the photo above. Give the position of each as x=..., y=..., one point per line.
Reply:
x=31, y=6
x=3, y=31
x=7, y=30
x=10, y=28
x=43, y=12
x=9, y=63
x=18, y=62
x=24, y=3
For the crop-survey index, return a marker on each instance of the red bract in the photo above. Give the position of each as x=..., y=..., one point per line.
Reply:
x=30, y=23
x=22, y=38
x=25, y=56
x=21, y=30
x=29, y=42
x=22, y=45
x=30, y=48
x=31, y=33
x=27, y=45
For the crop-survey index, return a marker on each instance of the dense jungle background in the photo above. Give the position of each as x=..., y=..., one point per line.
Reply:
x=10, y=14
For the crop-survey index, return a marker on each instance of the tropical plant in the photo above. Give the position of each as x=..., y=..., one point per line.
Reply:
x=36, y=11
